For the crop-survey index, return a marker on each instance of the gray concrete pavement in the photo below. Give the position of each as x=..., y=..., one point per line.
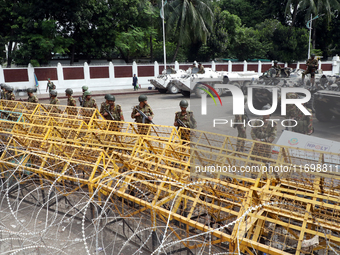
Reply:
x=165, y=106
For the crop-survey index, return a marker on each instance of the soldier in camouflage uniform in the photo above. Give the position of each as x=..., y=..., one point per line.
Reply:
x=53, y=97
x=201, y=68
x=146, y=109
x=50, y=85
x=312, y=66
x=188, y=119
x=304, y=122
x=241, y=131
x=9, y=93
x=265, y=133
x=82, y=98
x=70, y=100
x=31, y=97
x=290, y=107
x=277, y=68
x=115, y=110
x=3, y=91
x=89, y=101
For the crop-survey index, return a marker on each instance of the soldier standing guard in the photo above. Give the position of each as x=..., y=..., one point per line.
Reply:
x=50, y=85
x=3, y=91
x=31, y=97
x=82, y=98
x=112, y=111
x=89, y=101
x=265, y=133
x=312, y=66
x=70, y=100
x=187, y=118
x=9, y=93
x=146, y=109
x=53, y=96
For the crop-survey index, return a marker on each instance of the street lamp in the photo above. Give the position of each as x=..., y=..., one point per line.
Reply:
x=309, y=26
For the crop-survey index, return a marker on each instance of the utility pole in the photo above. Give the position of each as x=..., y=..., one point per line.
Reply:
x=164, y=51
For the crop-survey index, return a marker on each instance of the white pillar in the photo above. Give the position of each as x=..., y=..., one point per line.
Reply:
x=87, y=74
x=134, y=68
x=230, y=67
x=286, y=64
x=176, y=65
x=335, y=64
x=60, y=75
x=213, y=66
x=156, y=68
x=298, y=65
x=111, y=73
x=245, y=66
x=2, y=76
x=259, y=68
x=30, y=73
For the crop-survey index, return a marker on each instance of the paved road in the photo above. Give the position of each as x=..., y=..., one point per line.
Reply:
x=165, y=106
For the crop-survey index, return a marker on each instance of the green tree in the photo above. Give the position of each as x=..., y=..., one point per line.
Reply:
x=190, y=20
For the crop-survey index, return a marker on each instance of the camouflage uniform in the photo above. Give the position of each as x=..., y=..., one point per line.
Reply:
x=139, y=119
x=312, y=66
x=54, y=100
x=32, y=99
x=3, y=94
x=201, y=69
x=267, y=134
x=277, y=70
x=290, y=108
x=10, y=96
x=50, y=86
x=241, y=129
x=117, y=114
x=71, y=102
x=304, y=122
x=116, y=111
x=90, y=103
x=188, y=119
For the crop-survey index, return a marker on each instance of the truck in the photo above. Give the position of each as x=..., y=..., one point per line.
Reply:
x=194, y=82
x=327, y=103
x=164, y=82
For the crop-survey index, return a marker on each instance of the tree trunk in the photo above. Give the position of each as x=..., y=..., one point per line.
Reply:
x=9, y=57
x=72, y=54
x=151, y=49
x=314, y=37
x=294, y=16
x=176, y=52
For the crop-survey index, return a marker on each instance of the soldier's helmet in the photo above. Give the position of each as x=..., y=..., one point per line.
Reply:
x=69, y=91
x=312, y=55
x=29, y=90
x=109, y=97
x=142, y=98
x=85, y=88
x=87, y=93
x=275, y=61
x=183, y=103
x=266, y=107
x=53, y=93
x=9, y=88
x=292, y=96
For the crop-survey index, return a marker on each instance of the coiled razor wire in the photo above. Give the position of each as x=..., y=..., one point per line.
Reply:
x=27, y=226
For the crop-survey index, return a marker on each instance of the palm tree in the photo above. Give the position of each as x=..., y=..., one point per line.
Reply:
x=297, y=5
x=190, y=19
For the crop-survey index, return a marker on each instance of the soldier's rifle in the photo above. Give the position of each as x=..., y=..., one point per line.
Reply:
x=109, y=113
x=81, y=101
x=143, y=115
x=181, y=123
